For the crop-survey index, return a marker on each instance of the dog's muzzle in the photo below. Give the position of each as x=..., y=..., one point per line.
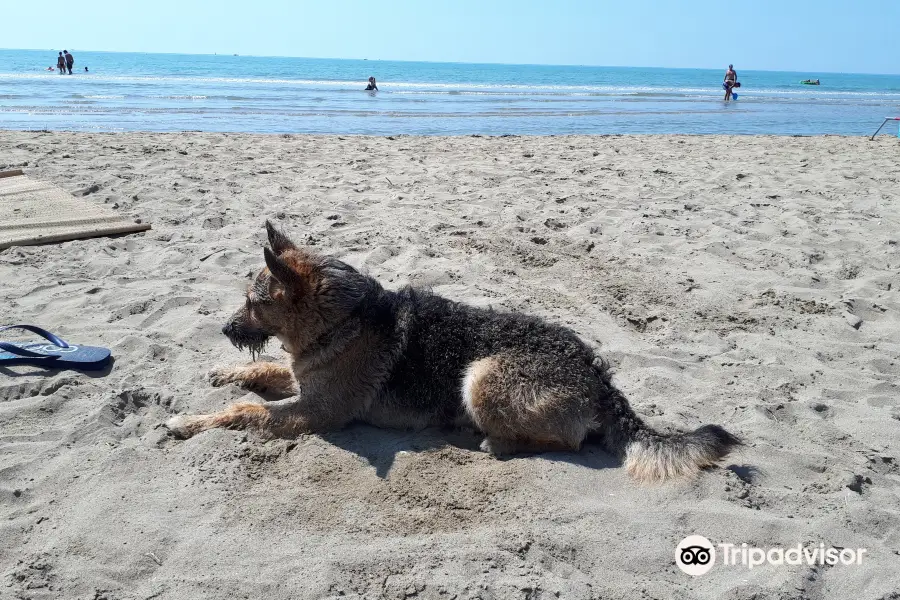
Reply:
x=253, y=340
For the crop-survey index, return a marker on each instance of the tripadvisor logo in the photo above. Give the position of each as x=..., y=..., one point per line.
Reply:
x=696, y=555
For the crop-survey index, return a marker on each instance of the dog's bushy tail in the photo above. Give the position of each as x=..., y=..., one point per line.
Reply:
x=651, y=456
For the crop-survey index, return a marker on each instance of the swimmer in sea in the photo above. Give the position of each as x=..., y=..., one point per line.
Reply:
x=371, y=86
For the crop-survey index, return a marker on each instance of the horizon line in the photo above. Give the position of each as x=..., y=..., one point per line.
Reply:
x=442, y=62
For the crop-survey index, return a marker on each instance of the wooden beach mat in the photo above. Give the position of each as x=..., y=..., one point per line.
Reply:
x=36, y=212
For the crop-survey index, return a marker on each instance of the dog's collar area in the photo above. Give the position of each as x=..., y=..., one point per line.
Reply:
x=331, y=342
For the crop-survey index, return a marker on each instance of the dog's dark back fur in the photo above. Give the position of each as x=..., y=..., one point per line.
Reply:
x=440, y=338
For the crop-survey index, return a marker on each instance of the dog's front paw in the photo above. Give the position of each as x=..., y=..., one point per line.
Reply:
x=223, y=376
x=185, y=426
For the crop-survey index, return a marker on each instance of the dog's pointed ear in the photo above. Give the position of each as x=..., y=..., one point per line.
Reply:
x=282, y=272
x=277, y=240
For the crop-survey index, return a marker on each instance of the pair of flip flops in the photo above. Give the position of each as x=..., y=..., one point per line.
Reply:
x=54, y=353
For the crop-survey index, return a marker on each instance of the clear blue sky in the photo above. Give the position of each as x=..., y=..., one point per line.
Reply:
x=802, y=35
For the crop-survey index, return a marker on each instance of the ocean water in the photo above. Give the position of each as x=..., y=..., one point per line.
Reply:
x=173, y=92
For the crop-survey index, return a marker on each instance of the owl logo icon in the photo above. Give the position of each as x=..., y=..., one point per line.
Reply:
x=695, y=555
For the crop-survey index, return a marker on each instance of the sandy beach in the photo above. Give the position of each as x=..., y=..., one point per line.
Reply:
x=752, y=282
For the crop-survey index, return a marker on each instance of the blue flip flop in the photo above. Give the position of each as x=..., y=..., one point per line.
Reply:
x=57, y=354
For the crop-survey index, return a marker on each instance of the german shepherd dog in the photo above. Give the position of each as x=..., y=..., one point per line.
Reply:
x=410, y=359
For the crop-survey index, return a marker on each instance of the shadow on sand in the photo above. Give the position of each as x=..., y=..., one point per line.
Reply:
x=380, y=447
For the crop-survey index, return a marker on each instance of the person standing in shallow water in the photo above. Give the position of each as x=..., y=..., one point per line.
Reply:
x=70, y=60
x=372, y=86
x=730, y=79
x=61, y=64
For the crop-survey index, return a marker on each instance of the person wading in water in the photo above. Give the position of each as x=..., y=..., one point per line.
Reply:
x=730, y=80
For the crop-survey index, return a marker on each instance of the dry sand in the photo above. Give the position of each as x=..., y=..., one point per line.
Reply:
x=721, y=276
